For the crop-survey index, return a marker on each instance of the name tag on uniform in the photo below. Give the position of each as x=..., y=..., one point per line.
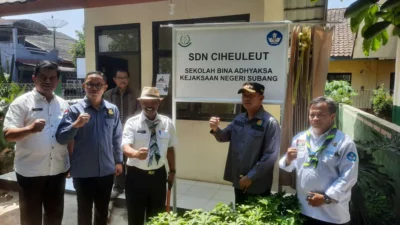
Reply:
x=37, y=109
x=141, y=131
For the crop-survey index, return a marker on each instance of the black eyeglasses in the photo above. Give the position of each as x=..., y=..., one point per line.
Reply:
x=91, y=85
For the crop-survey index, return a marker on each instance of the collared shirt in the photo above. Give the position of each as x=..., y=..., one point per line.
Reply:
x=97, y=145
x=334, y=176
x=137, y=133
x=125, y=101
x=253, y=149
x=38, y=154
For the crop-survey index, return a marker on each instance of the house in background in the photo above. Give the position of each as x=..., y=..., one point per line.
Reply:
x=23, y=43
x=349, y=63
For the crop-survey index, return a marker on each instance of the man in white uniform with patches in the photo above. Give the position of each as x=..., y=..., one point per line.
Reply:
x=149, y=142
x=326, y=164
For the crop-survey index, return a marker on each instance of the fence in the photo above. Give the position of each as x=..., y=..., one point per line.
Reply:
x=363, y=100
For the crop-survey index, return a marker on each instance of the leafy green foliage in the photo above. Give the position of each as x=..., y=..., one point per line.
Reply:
x=340, y=91
x=78, y=49
x=377, y=18
x=382, y=102
x=371, y=201
x=8, y=92
x=273, y=210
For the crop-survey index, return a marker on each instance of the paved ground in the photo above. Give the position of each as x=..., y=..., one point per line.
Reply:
x=9, y=212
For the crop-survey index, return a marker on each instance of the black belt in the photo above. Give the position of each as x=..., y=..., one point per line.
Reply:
x=147, y=172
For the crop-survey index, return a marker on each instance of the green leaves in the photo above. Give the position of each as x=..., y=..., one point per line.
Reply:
x=78, y=49
x=356, y=21
x=390, y=4
x=356, y=7
x=396, y=31
x=273, y=210
x=376, y=21
x=340, y=91
x=375, y=29
x=382, y=102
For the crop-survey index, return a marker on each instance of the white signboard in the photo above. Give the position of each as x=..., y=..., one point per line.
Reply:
x=162, y=84
x=211, y=63
x=80, y=68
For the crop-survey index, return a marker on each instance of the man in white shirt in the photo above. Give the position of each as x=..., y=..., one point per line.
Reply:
x=148, y=141
x=40, y=162
x=326, y=163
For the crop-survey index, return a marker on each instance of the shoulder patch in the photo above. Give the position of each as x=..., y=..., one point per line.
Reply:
x=351, y=156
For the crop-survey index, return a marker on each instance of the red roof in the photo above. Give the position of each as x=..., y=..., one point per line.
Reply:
x=343, y=38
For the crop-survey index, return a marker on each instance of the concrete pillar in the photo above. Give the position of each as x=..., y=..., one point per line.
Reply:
x=396, y=91
x=15, y=46
x=274, y=10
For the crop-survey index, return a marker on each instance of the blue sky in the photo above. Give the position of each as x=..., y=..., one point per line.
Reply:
x=75, y=18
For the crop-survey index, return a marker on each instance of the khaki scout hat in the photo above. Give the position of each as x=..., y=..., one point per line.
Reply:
x=150, y=93
x=252, y=87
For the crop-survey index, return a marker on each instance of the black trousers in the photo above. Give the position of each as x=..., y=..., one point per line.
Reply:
x=97, y=191
x=41, y=193
x=145, y=193
x=311, y=221
x=241, y=198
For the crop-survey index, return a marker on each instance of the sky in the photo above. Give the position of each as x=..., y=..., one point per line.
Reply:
x=75, y=18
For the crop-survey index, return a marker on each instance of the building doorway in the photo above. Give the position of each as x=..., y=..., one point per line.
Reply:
x=118, y=47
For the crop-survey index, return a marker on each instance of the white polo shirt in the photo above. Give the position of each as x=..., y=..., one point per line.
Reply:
x=137, y=133
x=38, y=154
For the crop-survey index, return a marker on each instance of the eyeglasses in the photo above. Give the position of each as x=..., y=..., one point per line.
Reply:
x=91, y=85
x=122, y=78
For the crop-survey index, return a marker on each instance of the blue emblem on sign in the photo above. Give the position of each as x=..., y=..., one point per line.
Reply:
x=274, y=38
x=351, y=156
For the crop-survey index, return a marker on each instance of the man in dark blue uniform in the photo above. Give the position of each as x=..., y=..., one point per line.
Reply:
x=95, y=126
x=254, y=139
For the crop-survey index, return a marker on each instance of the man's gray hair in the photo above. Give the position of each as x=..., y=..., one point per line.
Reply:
x=332, y=106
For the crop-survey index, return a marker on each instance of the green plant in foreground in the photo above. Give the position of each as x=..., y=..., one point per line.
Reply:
x=276, y=209
x=372, y=195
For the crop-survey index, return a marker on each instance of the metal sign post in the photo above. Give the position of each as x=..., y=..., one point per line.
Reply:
x=212, y=61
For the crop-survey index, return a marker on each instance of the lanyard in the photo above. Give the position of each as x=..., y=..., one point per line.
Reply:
x=313, y=156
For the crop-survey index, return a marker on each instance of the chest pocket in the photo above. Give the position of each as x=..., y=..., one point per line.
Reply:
x=163, y=138
x=256, y=133
x=330, y=157
x=109, y=123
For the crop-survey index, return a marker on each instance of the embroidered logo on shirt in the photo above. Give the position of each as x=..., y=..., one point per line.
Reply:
x=110, y=112
x=351, y=156
x=260, y=123
x=37, y=109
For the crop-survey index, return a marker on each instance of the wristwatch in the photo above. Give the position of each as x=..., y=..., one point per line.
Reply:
x=327, y=199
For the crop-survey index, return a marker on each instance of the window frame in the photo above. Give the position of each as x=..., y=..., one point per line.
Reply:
x=340, y=74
